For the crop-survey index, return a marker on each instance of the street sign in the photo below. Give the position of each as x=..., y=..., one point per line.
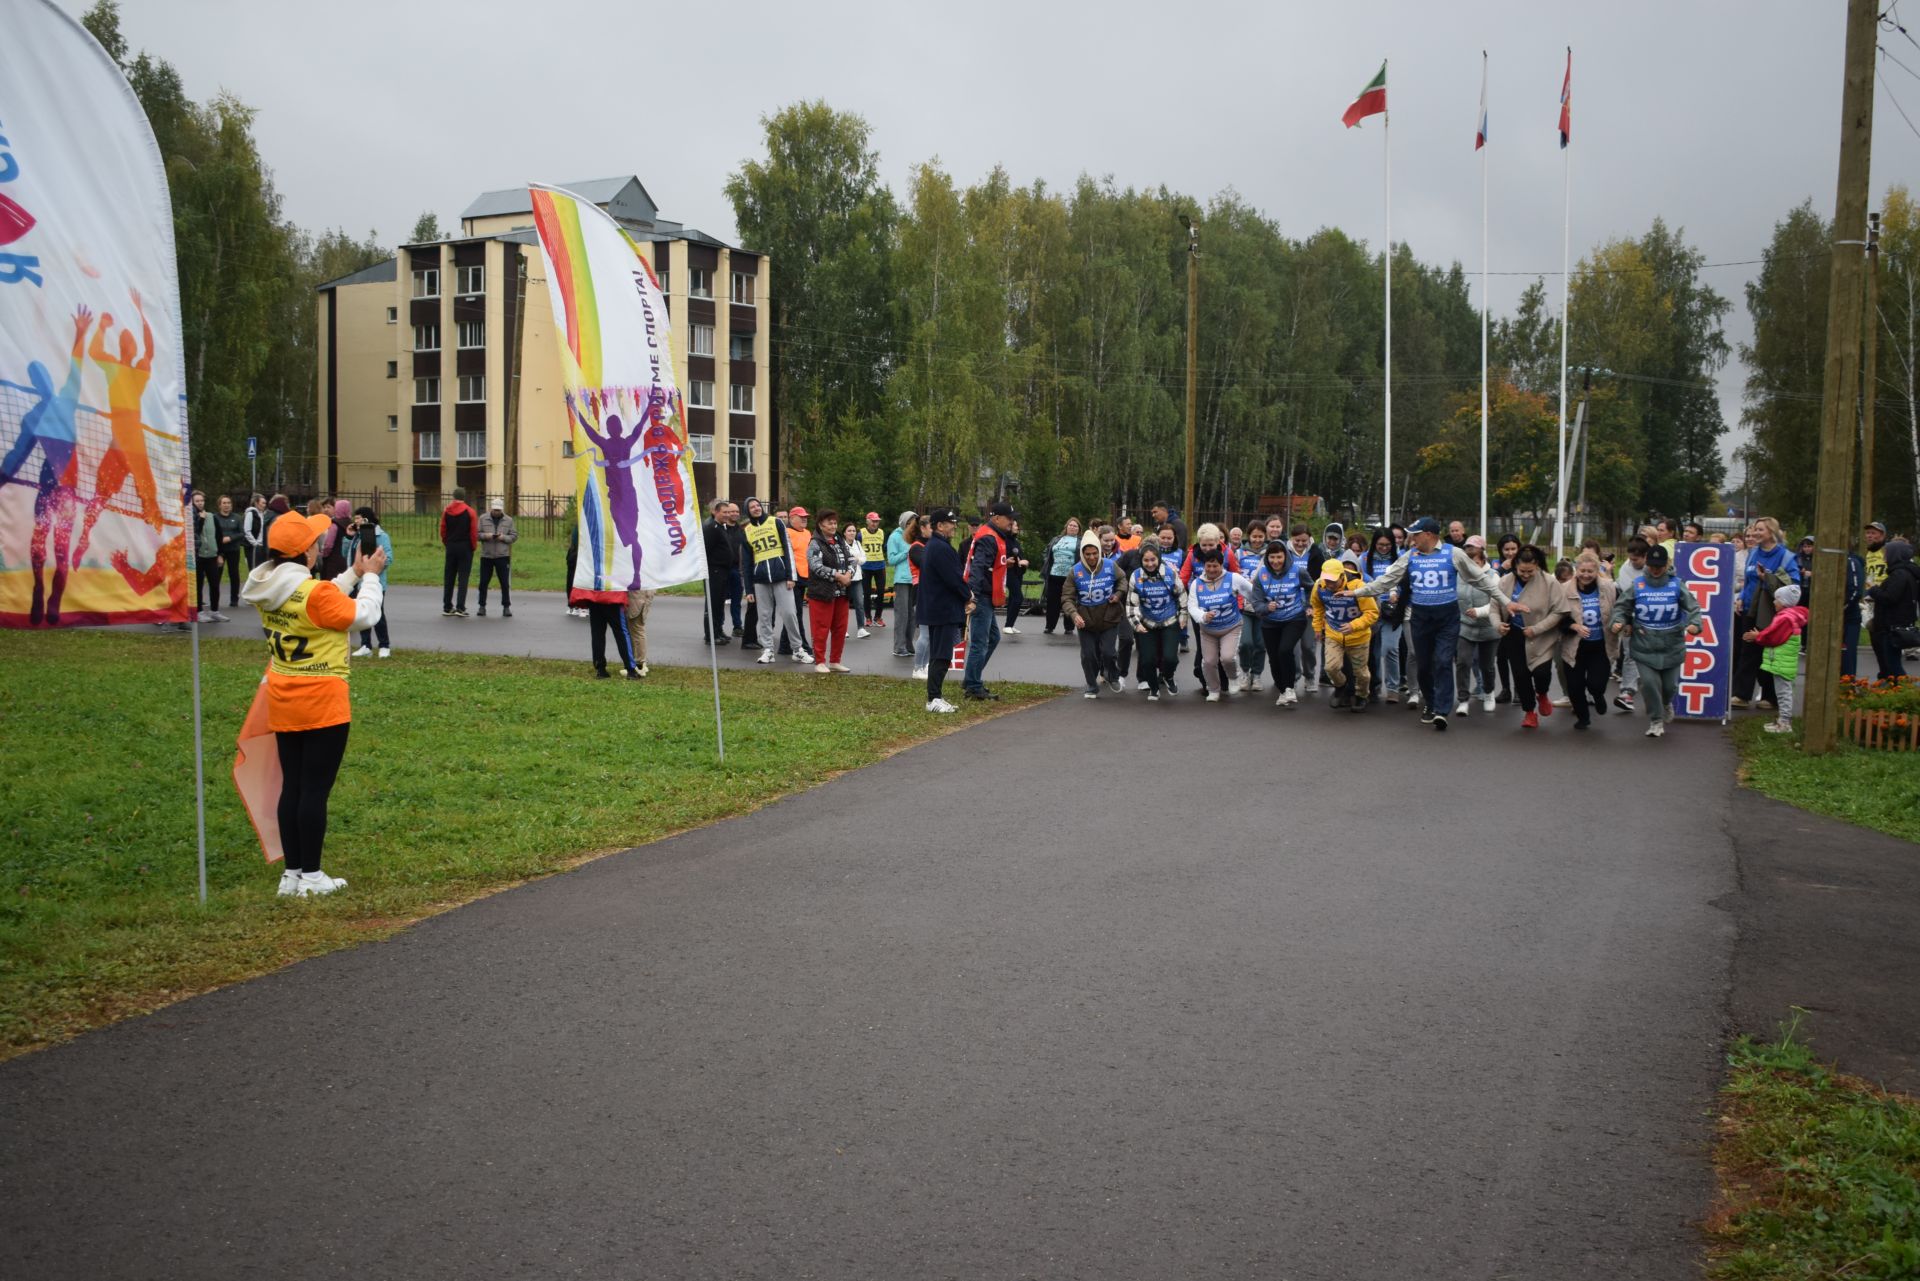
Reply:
x=253, y=446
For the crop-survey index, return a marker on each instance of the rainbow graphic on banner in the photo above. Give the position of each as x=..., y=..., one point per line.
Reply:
x=639, y=511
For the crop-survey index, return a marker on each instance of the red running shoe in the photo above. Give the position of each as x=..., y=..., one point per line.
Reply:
x=1530, y=721
x=1546, y=706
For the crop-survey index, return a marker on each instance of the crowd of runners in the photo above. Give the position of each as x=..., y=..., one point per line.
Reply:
x=1426, y=617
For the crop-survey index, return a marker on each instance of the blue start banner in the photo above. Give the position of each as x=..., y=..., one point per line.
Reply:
x=1706, y=672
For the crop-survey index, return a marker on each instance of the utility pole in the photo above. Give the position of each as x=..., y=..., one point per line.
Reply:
x=1870, y=375
x=1833, y=505
x=510, y=480
x=1193, y=350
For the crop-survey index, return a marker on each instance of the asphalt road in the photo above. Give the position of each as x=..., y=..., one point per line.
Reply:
x=1301, y=995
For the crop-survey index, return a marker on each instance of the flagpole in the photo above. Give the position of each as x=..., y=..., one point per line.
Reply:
x=1566, y=248
x=1485, y=144
x=199, y=758
x=713, y=658
x=1386, y=471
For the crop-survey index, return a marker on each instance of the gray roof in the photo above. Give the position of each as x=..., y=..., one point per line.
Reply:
x=623, y=196
x=379, y=273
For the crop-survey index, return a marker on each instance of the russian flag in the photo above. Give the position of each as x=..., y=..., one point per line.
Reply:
x=1480, y=138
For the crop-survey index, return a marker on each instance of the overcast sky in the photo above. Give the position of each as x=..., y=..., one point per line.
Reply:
x=1717, y=115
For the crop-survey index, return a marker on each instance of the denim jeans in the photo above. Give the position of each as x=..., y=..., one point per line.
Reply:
x=1436, y=635
x=1386, y=655
x=983, y=637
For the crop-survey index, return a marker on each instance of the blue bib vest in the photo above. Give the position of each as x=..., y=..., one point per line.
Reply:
x=1657, y=608
x=1219, y=597
x=1094, y=588
x=1432, y=577
x=1590, y=612
x=1155, y=595
x=1340, y=610
x=1283, y=588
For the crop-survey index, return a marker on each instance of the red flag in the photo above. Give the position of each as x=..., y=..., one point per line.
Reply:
x=1566, y=101
x=1371, y=102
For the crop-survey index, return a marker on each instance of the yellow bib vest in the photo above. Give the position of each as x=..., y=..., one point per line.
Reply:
x=763, y=540
x=873, y=544
x=296, y=646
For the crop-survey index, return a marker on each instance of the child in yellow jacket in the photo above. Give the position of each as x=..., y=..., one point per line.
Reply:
x=1344, y=624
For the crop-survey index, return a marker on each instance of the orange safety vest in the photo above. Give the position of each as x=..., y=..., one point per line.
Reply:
x=999, y=560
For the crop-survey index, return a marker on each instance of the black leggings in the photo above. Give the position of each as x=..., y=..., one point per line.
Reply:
x=1055, y=586
x=1587, y=682
x=309, y=762
x=1512, y=659
x=1100, y=655
x=1282, y=640
x=1158, y=653
x=209, y=568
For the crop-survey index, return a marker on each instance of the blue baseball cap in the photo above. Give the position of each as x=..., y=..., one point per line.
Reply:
x=1425, y=525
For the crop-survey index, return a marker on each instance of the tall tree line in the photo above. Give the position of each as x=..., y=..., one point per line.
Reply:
x=247, y=274
x=1787, y=360
x=962, y=341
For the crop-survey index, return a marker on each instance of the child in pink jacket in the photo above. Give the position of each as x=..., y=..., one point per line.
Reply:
x=1781, y=639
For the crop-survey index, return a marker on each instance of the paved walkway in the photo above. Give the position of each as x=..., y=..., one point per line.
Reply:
x=1100, y=990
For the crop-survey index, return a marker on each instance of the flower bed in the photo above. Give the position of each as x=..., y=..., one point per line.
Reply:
x=1881, y=714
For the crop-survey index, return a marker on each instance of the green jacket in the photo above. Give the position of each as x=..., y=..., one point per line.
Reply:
x=1658, y=650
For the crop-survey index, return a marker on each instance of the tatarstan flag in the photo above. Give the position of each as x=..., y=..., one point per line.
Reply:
x=1371, y=102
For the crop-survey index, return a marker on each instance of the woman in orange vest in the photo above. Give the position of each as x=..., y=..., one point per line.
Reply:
x=304, y=695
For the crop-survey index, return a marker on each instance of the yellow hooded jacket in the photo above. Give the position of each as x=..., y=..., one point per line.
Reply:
x=1361, y=609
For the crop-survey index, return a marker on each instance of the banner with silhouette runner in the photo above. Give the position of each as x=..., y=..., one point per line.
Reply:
x=633, y=468
x=93, y=421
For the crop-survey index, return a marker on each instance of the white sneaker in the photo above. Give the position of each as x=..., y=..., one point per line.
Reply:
x=1122, y=686
x=838, y=667
x=1010, y=631
x=1563, y=701
x=1657, y=730
x=1461, y=710
x=862, y=634
x=1487, y=704
x=219, y=617
x=821, y=668
x=1291, y=697
x=941, y=706
x=1257, y=684
x=1413, y=700
x=919, y=673
x=1310, y=688
x=1152, y=697
x=316, y=883
x=385, y=652
x=766, y=656
x=1778, y=727
x=643, y=670
x=1213, y=696
x=289, y=884
x=803, y=658
x=362, y=652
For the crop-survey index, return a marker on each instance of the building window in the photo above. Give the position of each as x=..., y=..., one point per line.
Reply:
x=473, y=389
x=393, y=422
x=740, y=346
x=665, y=278
x=700, y=394
x=393, y=369
x=426, y=447
x=471, y=280
x=426, y=282
x=699, y=283
x=426, y=391
x=473, y=333
x=702, y=448
x=740, y=456
x=743, y=288
x=471, y=446
x=393, y=475
x=393, y=315
x=702, y=340
x=742, y=398
x=566, y=448
x=426, y=338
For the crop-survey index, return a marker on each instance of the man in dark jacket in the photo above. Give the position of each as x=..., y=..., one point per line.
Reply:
x=942, y=602
x=713, y=535
x=736, y=575
x=460, y=535
x=987, y=592
x=1896, y=602
x=1163, y=515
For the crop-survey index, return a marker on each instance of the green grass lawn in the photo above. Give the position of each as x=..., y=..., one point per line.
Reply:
x=465, y=773
x=1819, y=1172
x=1869, y=787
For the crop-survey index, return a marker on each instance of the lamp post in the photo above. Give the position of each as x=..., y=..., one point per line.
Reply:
x=1193, y=349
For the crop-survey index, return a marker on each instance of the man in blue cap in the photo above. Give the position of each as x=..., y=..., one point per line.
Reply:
x=1433, y=570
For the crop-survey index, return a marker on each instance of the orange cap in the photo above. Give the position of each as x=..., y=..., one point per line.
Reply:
x=292, y=534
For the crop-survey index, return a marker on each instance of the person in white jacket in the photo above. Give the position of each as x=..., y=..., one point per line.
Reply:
x=1213, y=602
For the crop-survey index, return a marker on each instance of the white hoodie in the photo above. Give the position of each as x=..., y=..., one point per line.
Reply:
x=269, y=585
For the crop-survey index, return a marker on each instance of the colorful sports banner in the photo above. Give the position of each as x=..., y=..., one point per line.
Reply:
x=1706, y=669
x=633, y=470
x=93, y=419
